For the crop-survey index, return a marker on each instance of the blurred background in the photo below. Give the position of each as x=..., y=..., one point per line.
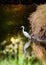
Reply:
x=23, y=1
x=14, y=14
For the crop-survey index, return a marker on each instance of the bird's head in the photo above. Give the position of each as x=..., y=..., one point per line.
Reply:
x=22, y=27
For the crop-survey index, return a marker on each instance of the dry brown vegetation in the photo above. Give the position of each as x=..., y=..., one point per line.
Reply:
x=38, y=24
x=38, y=19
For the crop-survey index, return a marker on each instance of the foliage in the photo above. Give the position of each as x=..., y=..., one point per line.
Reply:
x=23, y=60
x=11, y=18
x=11, y=46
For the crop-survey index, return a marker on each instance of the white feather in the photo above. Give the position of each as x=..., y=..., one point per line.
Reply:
x=25, y=33
x=27, y=44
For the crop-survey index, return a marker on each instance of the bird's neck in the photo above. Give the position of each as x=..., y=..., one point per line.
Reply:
x=23, y=29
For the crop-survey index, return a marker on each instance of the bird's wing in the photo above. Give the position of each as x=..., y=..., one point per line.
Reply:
x=26, y=34
x=27, y=44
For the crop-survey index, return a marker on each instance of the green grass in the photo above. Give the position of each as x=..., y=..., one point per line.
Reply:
x=23, y=60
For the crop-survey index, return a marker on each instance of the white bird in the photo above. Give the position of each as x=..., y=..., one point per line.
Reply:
x=25, y=33
x=27, y=44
